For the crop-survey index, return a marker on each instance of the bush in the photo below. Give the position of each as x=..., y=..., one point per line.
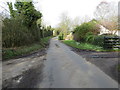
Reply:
x=89, y=38
x=48, y=33
x=81, y=31
x=99, y=40
x=60, y=37
x=15, y=34
x=8, y=53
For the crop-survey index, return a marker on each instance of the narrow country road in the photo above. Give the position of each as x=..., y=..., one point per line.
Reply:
x=66, y=69
x=63, y=69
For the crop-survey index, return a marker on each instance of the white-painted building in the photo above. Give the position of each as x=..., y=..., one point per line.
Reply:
x=103, y=30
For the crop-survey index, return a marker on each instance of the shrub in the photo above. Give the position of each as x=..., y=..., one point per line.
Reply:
x=99, y=40
x=61, y=37
x=15, y=34
x=81, y=31
x=89, y=38
x=48, y=33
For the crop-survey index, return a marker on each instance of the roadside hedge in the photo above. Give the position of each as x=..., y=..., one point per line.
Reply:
x=106, y=44
x=81, y=31
x=61, y=37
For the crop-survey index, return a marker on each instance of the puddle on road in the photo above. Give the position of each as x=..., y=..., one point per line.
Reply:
x=18, y=78
x=18, y=81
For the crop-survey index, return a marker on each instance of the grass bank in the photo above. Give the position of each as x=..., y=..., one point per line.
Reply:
x=85, y=46
x=9, y=53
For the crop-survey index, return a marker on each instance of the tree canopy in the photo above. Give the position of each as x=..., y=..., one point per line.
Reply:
x=28, y=12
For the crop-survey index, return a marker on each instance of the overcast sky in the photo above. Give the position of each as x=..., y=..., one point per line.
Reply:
x=52, y=9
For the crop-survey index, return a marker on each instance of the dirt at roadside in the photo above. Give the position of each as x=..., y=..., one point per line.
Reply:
x=106, y=61
x=24, y=71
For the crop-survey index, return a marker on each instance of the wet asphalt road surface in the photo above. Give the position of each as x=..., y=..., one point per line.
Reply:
x=106, y=61
x=62, y=68
x=66, y=69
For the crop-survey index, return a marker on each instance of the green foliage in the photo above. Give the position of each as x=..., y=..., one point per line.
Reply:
x=45, y=41
x=15, y=34
x=22, y=28
x=90, y=37
x=48, y=31
x=81, y=31
x=87, y=46
x=29, y=15
x=65, y=24
x=12, y=12
x=61, y=37
x=8, y=53
x=83, y=46
x=28, y=12
x=56, y=32
x=99, y=40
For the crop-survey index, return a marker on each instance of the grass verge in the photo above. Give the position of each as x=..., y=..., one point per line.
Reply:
x=9, y=53
x=85, y=46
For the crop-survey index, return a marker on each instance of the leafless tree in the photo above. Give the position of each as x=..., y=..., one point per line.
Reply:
x=106, y=13
x=102, y=10
x=65, y=23
x=4, y=11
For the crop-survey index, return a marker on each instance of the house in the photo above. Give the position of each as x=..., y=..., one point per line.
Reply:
x=69, y=37
x=104, y=30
